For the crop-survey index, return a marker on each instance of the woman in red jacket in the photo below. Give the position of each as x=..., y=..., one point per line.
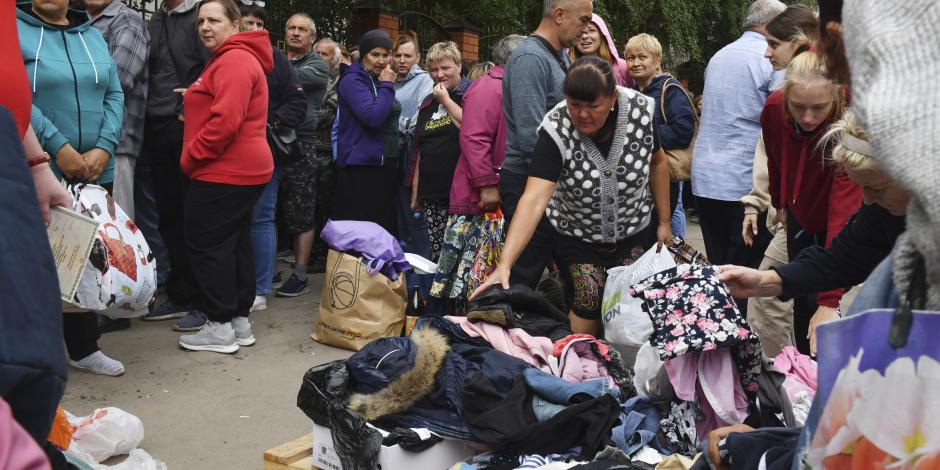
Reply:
x=813, y=196
x=228, y=161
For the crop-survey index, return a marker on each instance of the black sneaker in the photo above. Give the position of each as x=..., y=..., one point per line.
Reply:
x=107, y=324
x=293, y=287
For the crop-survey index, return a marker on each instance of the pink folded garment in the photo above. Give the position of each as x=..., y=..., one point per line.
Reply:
x=800, y=366
x=17, y=448
x=711, y=380
x=535, y=350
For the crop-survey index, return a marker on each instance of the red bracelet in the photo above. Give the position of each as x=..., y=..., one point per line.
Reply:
x=44, y=158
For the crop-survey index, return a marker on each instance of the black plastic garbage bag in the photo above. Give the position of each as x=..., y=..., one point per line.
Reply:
x=323, y=397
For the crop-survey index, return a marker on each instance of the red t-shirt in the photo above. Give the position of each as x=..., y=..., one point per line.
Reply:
x=14, y=94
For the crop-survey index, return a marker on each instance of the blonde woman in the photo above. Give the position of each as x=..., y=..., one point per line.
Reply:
x=860, y=246
x=437, y=134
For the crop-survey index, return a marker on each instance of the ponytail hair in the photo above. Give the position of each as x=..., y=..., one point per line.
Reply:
x=806, y=69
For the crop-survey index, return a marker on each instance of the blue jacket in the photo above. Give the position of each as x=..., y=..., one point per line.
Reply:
x=418, y=381
x=32, y=356
x=678, y=132
x=364, y=106
x=77, y=96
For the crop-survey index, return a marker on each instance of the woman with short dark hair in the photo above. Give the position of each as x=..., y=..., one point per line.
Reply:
x=599, y=175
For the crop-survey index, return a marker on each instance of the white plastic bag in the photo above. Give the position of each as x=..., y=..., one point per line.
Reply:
x=120, y=278
x=625, y=322
x=105, y=433
x=647, y=367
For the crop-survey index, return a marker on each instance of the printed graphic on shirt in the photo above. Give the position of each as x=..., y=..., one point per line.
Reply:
x=439, y=119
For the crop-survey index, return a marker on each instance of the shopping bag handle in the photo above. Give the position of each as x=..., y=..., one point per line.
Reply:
x=904, y=315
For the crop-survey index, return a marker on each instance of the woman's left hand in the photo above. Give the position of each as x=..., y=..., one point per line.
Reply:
x=663, y=236
x=97, y=161
x=440, y=93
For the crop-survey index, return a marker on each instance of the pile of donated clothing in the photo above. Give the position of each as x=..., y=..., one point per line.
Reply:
x=510, y=379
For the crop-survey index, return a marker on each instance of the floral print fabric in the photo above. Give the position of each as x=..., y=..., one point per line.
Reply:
x=692, y=311
x=471, y=248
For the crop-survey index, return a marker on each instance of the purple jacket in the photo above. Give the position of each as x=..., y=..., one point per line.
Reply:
x=482, y=142
x=362, y=108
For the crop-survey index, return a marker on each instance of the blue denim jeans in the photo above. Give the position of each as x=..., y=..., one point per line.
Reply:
x=264, y=235
x=146, y=216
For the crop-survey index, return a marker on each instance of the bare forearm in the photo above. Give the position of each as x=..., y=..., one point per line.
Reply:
x=659, y=181
x=528, y=213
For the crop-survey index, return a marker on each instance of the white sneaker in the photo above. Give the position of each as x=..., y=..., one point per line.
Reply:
x=243, y=334
x=214, y=337
x=261, y=303
x=98, y=363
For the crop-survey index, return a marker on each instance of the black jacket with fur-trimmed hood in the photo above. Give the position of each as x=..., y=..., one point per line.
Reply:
x=417, y=381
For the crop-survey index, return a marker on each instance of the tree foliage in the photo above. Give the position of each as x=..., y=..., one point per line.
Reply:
x=691, y=31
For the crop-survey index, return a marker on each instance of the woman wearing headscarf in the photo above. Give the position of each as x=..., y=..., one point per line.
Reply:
x=228, y=161
x=366, y=139
x=604, y=189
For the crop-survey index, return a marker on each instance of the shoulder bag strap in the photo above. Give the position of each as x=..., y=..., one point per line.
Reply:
x=662, y=100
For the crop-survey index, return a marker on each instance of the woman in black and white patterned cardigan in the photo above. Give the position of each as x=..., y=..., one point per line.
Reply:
x=599, y=176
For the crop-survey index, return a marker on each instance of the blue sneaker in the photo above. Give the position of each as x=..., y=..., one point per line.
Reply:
x=168, y=310
x=293, y=287
x=193, y=321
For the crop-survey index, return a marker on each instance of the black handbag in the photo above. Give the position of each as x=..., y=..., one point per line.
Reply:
x=284, y=144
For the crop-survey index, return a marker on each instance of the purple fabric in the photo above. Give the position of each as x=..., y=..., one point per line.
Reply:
x=379, y=248
x=710, y=379
x=363, y=107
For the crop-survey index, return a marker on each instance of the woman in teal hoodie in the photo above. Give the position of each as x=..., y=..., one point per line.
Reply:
x=78, y=111
x=78, y=105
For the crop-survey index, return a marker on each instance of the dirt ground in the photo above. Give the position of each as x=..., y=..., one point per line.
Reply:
x=205, y=410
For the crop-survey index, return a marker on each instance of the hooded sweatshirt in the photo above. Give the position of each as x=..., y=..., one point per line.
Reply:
x=226, y=112
x=176, y=59
x=363, y=107
x=77, y=97
x=621, y=71
x=411, y=92
x=813, y=191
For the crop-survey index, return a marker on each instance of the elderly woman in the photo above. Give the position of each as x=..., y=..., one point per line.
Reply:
x=437, y=136
x=599, y=176
x=228, y=161
x=673, y=111
x=475, y=187
x=366, y=139
x=596, y=40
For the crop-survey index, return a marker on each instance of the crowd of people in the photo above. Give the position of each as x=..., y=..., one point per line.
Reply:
x=587, y=150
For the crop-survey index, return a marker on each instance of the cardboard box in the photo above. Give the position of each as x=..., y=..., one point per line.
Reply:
x=441, y=456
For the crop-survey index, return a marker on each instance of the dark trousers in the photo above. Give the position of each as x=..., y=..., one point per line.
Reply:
x=538, y=253
x=218, y=238
x=163, y=145
x=721, y=222
x=81, y=334
x=721, y=229
x=804, y=306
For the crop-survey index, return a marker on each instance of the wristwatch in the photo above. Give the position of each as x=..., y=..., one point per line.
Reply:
x=44, y=158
